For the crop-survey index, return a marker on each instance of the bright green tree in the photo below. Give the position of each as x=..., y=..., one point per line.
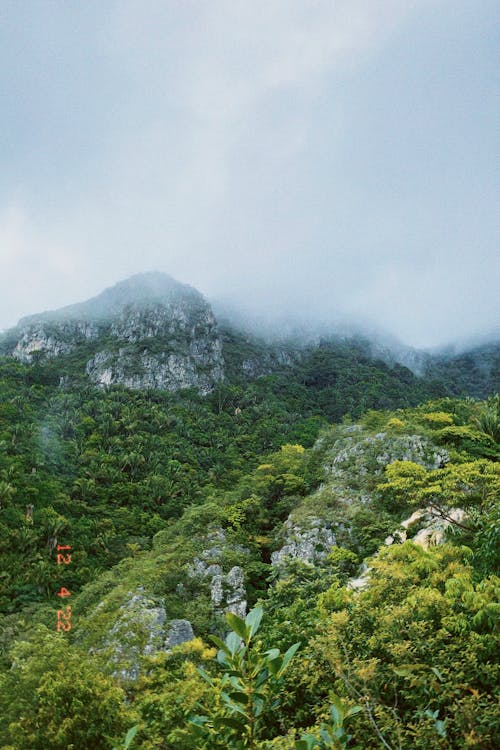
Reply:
x=248, y=686
x=55, y=696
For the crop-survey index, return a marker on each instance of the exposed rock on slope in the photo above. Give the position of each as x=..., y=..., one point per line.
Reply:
x=146, y=332
x=141, y=629
x=227, y=590
x=352, y=459
x=308, y=541
x=432, y=527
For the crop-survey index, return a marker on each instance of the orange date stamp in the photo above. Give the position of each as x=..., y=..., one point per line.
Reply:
x=64, y=614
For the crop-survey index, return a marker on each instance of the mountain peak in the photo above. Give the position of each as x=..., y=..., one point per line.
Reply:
x=148, y=288
x=148, y=331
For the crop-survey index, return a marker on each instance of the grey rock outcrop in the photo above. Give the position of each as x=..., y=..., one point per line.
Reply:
x=310, y=542
x=227, y=590
x=432, y=533
x=353, y=458
x=146, y=332
x=268, y=362
x=48, y=339
x=139, y=631
x=352, y=454
x=180, y=631
x=142, y=629
x=432, y=527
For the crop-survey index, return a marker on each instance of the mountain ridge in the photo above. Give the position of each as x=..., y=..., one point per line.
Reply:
x=151, y=331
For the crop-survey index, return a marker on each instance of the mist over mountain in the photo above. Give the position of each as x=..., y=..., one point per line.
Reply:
x=141, y=289
x=284, y=440
x=152, y=331
x=172, y=472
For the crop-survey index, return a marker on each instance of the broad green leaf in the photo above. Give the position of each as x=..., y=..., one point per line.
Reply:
x=441, y=727
x=253, y=619
x=222, y=657
x=220, y=643
x=233, y=643
x=232, y=705
x=307, y=742
x=274, y=666
x=325, y=736
x=197, y=725
x=262, y=678
x=239, y=697
x=273, y=653
x=237, y=624
x=258, y=705
x=130, y=736
x=288, y=657
x=205, y=676
x=337, y=710
x=235, y=681
x=352, y=711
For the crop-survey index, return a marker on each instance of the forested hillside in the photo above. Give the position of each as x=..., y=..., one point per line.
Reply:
x=249, y=375
x=351, y=502
x=109, y=468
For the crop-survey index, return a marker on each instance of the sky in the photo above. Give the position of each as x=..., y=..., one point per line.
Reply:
x=306, y=159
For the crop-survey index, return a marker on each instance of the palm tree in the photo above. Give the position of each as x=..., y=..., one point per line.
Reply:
x=488, y=419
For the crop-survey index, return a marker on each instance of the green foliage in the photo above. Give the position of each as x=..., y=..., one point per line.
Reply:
x=168, y=692
x=473, y=486
x=249, y=683
x=129, y=738
x=140, y=484
x=398, y=649
x=55, y=696
x=332, y=736
x=107, y=469
x=488, y=418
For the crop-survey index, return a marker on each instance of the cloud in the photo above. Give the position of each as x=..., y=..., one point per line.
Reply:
x=31, y=261
x=227, y=115
x=312, y=158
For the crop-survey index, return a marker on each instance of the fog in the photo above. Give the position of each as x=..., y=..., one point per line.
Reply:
x=328, y=163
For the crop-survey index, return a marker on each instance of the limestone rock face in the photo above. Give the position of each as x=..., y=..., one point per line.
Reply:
x=227, y=590
x=147, y=332
x=309, y=541
x=267, y=362
x=142, y=629
x=351, y=457
x=432, y=532
x=431, y=527
x=138, y=631
x=358, y=455
x=180, y=631
x=43, y=338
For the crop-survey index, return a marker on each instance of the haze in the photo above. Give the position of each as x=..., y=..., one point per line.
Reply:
x=327, y=160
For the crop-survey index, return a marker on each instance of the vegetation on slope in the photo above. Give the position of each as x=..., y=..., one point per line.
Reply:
x=137, y=482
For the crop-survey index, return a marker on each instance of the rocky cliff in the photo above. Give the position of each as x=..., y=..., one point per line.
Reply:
x=146, y=332
x=150, y=331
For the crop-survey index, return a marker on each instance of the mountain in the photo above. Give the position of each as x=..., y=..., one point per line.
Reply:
x=164, y=475
x=374, y=549
x=149, y=331
x=475, y=372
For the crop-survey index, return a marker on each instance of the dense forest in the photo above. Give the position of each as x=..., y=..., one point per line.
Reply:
x=326, y=531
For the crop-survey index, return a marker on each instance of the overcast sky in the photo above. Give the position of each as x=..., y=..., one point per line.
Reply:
x=323, y=158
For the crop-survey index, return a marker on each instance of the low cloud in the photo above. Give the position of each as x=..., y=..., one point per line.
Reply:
x=277, y=155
